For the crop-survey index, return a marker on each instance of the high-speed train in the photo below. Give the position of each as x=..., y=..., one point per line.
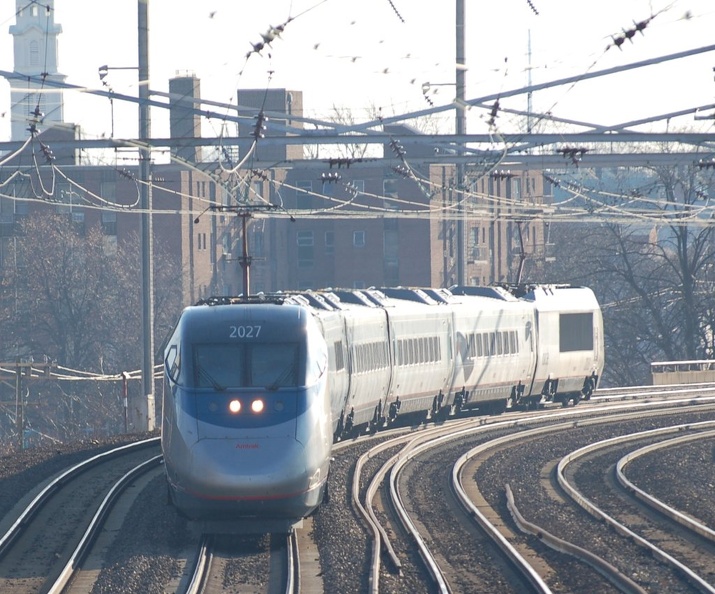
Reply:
x=258, y=388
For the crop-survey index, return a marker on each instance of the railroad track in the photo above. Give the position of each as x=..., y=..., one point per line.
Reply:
x=50, y=536
x=267, y=564
x=364, y=546
x=453, y=558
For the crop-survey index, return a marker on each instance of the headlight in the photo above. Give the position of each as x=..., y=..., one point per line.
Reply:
x=234, y=406
x=257, y=406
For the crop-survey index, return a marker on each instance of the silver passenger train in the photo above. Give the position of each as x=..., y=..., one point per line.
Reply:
x=258, y=388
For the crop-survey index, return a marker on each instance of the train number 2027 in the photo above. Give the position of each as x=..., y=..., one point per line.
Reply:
x=244, y=331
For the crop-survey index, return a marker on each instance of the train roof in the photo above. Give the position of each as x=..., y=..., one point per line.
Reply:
x=337, y=299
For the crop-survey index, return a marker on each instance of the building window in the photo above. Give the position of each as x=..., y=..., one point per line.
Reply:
x=63, y=195
x=78, y=222
x=330, y=243
x=258, y=243
x=303, y=198
x=389, y=187
x=108, y=190
x=4, y=253
x=304, y=238
x=358, y=239
x=328, y=188
x=109, y=245
x=34, y=51
x=109, y=222
x=389, y=190
x=305, y=242
x=516, y=188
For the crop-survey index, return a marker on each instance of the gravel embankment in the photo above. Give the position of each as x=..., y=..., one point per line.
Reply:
x=148, y=556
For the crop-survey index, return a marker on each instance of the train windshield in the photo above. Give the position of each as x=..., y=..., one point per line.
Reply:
x=265, y=365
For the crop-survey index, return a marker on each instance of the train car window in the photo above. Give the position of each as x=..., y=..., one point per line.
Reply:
x=358, y=358
x=480, y=349
x=338, y=354
x=492, y=343
x=514, y=342
x=576, y=332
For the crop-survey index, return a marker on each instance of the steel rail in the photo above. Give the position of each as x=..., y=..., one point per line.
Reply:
x=597, y=513
x=675, y=515
x=54, y=485
x=78, y=555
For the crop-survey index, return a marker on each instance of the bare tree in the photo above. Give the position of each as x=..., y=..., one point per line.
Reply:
x=72, y=299
x=655, y=279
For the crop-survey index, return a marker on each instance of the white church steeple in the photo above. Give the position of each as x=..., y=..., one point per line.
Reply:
x=35, y=44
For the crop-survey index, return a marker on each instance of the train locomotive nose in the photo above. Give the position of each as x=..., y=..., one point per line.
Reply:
x=249, y=470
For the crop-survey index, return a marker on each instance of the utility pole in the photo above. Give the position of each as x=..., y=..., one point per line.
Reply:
x=245, y=212
x=19, y=407
x=460, y=130
x=144, y=411
x=26, y=368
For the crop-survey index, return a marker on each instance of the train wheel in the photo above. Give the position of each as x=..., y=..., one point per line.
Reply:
x=587, y=391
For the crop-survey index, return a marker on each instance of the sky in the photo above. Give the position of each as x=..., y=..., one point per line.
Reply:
x=378, y=54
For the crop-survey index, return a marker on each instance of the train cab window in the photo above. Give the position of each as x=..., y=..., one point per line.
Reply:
x=274, y=365
x=219, y=366
x=172, y=363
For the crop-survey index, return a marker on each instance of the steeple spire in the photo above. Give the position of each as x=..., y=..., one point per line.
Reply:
x=35, y=53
